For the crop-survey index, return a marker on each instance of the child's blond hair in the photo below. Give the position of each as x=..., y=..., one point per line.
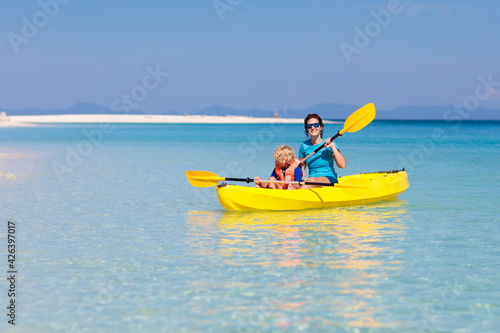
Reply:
x=283, y=154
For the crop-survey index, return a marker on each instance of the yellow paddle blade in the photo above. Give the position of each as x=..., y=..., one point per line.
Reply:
x=359, y=186
x=203, y=178
x=359, y=119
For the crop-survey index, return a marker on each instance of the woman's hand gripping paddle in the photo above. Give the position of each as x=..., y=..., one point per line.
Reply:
x=356, y=121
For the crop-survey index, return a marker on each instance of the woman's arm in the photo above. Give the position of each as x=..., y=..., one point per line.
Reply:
x=337, y=156
x=302, y=165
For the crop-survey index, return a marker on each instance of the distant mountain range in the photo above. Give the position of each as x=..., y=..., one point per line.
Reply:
x=326, y=111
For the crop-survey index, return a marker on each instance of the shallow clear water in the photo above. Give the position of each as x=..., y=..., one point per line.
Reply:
x=111, y=237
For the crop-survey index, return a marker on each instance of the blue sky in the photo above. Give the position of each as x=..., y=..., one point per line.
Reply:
x=246, y=53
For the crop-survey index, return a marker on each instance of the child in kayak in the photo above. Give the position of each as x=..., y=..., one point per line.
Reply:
x=286, y=169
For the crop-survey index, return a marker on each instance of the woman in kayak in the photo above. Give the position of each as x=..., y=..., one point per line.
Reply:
x=321, y=165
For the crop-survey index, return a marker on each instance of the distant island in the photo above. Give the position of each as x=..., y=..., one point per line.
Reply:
x=327, y=111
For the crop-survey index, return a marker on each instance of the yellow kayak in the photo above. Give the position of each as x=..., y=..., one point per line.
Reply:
x=355, y=190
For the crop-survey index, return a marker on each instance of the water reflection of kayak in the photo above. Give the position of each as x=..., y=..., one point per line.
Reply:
x=359, y=189
x=337, y=237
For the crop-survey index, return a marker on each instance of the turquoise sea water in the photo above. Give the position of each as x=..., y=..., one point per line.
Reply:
x=110, y=237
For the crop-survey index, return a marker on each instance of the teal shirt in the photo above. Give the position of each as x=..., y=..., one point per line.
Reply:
x=320, y=164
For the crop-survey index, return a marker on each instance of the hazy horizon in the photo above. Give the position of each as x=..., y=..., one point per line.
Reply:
x=326, y=110
x=185, y=57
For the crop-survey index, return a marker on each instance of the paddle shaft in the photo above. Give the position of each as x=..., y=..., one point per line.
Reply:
x=247, y=180
x=302, y=182
x=208, y=179
x=356, y=121
x=320, y=147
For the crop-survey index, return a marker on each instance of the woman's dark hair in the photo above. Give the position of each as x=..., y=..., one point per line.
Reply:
x=312, y=116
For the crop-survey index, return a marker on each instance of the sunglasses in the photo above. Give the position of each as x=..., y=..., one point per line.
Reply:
x=309, y=126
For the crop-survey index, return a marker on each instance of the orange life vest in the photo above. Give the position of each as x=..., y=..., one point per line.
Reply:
x=290, y=171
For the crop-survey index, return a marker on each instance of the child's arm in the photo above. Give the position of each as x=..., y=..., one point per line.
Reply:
x=258, y=183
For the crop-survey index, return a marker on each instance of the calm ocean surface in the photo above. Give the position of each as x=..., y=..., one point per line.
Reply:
x=110, y=236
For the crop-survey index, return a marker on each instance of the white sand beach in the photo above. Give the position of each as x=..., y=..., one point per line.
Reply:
x=9, y=121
